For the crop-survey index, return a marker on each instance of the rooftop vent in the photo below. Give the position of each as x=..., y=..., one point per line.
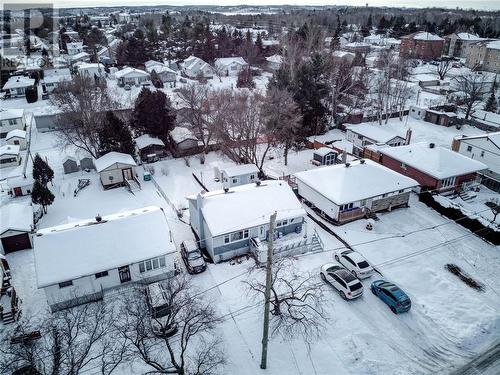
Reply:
x=226, y=190
x=98, y=218
x=347, y=165
x=431, y=145
x=362, y=161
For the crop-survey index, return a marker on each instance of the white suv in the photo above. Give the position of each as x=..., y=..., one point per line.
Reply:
x=346, y=283
x=355, y=263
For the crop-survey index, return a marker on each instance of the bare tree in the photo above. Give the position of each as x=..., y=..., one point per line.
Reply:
x=193, y=98
x=149, y=334
x=242, y=132
x=72, y=341
x=83, y=103
x=443, y=67
x=471, y=87
x=296, y=299
x=282, y=118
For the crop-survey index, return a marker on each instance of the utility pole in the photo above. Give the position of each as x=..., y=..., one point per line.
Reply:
x=265, y=335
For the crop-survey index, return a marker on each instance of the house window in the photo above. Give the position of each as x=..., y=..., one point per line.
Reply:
x=363, y=202
x=401, y=191
x=152, y=264
x=447, y=182
x=237, y=236
x=469, y=148
x=227, y=238
x=281, y=223
x=65, y=284
x=98, y=275
x=12, y=122
x=235, y=180
x=252, y=177
x=346, y=206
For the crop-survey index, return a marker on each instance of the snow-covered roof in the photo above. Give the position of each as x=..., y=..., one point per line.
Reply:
x=75, y=45
x=69, y=251
x=20, y=181
x=360, y=180
x=423, y=35
x=342, y=54
x=146, y=140
x=56, y=75
x=7, y=114
x=9, y=150
x=276, y=59
x=438, y=162
x=239, y=170
x=18, y=81
x=468, y=36
x=16, y=216
x=180, y=134
x=225, y=61
x=322, y=151
x=86, y=65
x=16, y=133
x=248, y=206
x=494, y=45
x=375, y=132
x=129, y=71
x=493, y=137
x=111, y=158
x=357, y=45
x=78, y=56
x=159, y=68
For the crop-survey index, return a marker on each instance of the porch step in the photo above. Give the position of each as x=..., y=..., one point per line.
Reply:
x=466, y=196
x=8, y=318
x=133, y=185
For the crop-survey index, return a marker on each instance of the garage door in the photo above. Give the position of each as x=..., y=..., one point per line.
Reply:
x=17, y=242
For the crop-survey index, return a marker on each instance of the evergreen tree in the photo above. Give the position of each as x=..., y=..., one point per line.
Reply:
x=208, y=50
x=491, y=104
x=115, y=136
x=258, y=43
x=369, y=22
x=310, y=91
x=42, y=171
x=245, y=79
x=153, y=114
x=41, y=194
x=156, y=80
x=280, y=80
x=382, y=25
x=31, y=94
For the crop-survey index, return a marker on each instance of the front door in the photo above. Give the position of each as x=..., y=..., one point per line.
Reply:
x=127, y=174
x=124, y=273
x=18, y=192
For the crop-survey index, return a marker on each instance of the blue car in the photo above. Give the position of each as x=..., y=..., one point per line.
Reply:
x=392, y=295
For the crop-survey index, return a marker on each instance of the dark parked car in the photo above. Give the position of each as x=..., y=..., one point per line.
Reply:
x=392, y=295
x=191, y=255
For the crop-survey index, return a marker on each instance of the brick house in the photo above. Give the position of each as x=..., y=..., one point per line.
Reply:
x=434, y=167
x=422, y=45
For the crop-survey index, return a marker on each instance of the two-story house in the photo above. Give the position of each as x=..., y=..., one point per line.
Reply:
x=11, y=119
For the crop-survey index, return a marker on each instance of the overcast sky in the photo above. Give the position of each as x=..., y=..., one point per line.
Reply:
x=476, y=4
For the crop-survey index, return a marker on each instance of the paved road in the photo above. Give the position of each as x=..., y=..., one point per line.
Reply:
x=487, y=363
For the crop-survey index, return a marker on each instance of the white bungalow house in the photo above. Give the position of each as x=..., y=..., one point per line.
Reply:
x=193, y=66
x=16, y=86
x=11, y=119
x=239, y=175
x=15, y=227
x=19, y=186
x=230, y=66
x=74, y=48
x=78, y=262
x=363, y=135
x=117, y=169
x=131, y=76
x=346, y=192
x=226, y=220
x=164, y=72
x=91, y=70
x=16, y=137
x=9, y=156
x=54, y=77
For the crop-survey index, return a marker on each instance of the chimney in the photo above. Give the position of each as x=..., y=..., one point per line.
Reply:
x=344, y=157
x=226, y=190
x=431, y=145
x=362, y=161
x=408, y=136
x=98, y=218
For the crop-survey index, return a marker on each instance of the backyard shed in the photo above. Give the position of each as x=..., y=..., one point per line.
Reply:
x=116, y=169
x=86, y=163
x=15, y=227
x=70, y=165
x=324, y=156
